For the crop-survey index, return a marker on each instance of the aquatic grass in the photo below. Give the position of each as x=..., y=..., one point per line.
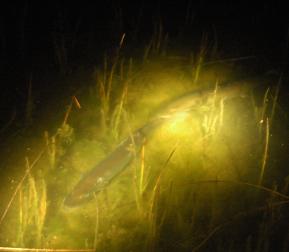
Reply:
x=236, y=218
x=51, y=149
x=104, y=83
x=212, y=121
x=32, y=207
x=154, y=226
x=218, y=228
x=142, y=170
x=96, y=230
x=117, y=114
x=57, y=143
x=264, y=108
x=158, y=43
x=267, y=122
x=29, y=102
x=171, y=213
x=158, y=213
x=275, y=99
x=105, y=80
x=220, y=224
x=41, y=211
x=32, y=191
x=22, y=221
x=265, y=153
x=244, y=184
x=199, y=60
x=135, y=167
x=29, y=167
x=32, y=212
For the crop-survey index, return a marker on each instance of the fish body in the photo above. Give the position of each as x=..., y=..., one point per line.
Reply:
x=101, y=175
x=199, y=98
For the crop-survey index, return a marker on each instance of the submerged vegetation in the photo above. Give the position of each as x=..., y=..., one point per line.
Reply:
x=203, y=180
x=212, y=176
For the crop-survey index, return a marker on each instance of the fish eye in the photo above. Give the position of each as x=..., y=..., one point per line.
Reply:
x=99, y=180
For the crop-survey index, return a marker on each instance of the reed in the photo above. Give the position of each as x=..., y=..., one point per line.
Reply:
x=142, y=170
x=51, y=148
x=105, y=80
x=199, y=60
x=29, y=102
x=153, y=214
x=118, y=113
x=29, y=167
x=262, y=119
x=96, y=230
x=275, y=100
x=265, y=153
x=32, y=210
x=157, y=46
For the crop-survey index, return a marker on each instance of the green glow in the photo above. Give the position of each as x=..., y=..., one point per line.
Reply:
x=204, y=137
x=177, y=125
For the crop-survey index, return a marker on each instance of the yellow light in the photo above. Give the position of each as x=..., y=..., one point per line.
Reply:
x=176, y=123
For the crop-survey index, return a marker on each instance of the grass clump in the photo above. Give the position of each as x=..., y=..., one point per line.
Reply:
x=201, y=182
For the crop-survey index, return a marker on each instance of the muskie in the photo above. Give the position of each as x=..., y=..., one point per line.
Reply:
x=99, y=177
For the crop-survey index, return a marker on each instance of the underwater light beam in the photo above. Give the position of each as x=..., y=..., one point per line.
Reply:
x=102, y=174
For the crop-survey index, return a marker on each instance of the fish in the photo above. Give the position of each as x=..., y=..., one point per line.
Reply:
x=106, y=170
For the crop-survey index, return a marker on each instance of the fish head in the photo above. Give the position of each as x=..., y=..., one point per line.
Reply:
x=83, y=193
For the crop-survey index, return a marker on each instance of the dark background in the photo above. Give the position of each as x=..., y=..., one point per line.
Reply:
x=30, y=32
